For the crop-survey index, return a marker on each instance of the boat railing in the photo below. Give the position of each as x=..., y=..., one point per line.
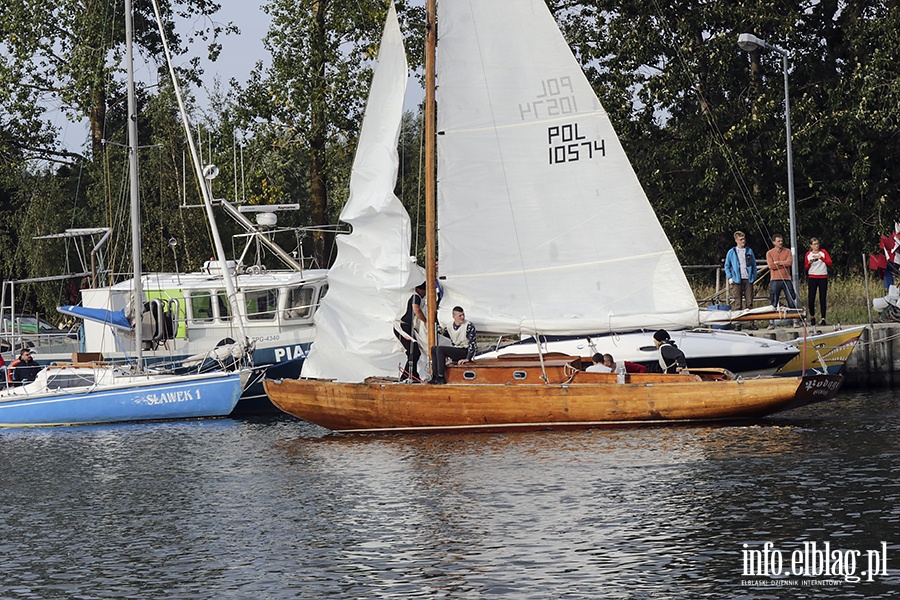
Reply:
x=721, y=293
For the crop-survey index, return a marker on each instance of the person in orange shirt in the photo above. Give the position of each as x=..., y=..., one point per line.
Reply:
x=780, y=261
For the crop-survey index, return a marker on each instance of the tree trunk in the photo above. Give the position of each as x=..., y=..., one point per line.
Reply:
x=98, y=119
x=755, y=78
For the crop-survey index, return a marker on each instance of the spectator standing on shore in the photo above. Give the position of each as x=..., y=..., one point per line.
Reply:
x=780, y=261
x=740, y=269
x=816, y=263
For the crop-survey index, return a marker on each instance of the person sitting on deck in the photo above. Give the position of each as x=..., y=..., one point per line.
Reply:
x=630, y=367
x=598, y=366
x=24, y=369
x=671, y=359
x=462, y=336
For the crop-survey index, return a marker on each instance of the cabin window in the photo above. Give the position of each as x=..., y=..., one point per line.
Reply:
x=224, y=307
x=322, y=292
x=201, y=307
x=261, y=304
x=299, y=302
x=519, y=375
x=62, y=381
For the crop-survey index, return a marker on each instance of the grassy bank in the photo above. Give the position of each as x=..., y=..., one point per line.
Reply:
x=847, y=302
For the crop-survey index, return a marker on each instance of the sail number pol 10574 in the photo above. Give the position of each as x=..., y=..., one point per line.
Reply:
x=568, y=145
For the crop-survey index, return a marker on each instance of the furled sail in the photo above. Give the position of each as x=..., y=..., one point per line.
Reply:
x=543, y=225
x=372, y=276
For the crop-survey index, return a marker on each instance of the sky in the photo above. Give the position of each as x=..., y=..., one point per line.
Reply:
x=240, y=52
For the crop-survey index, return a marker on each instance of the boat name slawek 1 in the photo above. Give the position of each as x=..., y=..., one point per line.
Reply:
x=289, y=353
x=821, y=387
x=567, y=145
x=170, y=397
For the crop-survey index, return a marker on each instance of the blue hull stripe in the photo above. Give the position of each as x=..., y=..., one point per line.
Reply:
x=213, y=397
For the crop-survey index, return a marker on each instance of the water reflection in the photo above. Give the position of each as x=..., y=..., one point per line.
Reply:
x=277, y=508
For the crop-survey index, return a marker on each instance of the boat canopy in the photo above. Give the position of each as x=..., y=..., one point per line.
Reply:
x=113, y=318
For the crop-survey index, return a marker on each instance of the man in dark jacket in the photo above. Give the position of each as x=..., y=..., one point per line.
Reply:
x=671, y=359
x=24, y=368
x=408, y=322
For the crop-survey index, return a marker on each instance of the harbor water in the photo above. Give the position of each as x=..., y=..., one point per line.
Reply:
x=805, y=504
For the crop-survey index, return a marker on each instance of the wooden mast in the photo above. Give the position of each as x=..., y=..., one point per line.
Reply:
x=430, y=209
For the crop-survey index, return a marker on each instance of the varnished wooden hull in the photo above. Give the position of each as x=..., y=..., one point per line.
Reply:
x=588, y=400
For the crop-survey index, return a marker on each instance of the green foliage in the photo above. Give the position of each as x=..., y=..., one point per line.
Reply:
x=410, y=180
x=311, y=99
x=706, y=134
x=701, y=120
x=70, y=53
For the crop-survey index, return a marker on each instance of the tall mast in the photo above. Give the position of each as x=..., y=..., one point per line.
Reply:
x=205, y=191
x=430, y=274
x=134, y=194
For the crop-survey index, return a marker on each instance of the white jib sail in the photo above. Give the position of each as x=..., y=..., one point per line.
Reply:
x=372, y=276
x=543, y=225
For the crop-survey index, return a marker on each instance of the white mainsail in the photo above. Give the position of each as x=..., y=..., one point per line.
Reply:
x=543, y=225
x=373, y=275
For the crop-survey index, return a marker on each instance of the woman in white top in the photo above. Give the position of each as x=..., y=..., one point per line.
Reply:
x=817, y=262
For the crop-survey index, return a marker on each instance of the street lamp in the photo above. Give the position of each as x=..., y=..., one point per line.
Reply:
x=749, y=43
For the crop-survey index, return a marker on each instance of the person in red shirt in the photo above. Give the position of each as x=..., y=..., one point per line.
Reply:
x=816, y=262
x=630, y=367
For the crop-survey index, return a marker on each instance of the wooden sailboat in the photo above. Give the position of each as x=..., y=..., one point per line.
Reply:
x=524, y=133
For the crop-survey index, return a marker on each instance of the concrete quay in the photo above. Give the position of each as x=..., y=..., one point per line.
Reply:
x=875, y=363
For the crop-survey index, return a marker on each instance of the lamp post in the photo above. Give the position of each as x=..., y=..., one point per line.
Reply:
x=749, y=43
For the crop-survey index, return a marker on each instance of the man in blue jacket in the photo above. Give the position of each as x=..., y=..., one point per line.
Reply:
x=740, y=269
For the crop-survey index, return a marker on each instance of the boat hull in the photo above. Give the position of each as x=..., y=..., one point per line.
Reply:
x=738, y=352
x=381, y=405
x=177, y=398
x=823, y=353
x=273, y=362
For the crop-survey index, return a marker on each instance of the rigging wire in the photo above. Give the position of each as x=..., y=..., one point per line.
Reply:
x=718, y=138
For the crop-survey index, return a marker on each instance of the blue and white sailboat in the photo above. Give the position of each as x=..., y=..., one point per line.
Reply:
x=98, y=393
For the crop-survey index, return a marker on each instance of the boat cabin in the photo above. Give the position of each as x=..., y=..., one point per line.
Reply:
x=194, y=307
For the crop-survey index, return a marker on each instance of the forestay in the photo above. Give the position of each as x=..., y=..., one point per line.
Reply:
x=372, y=276
x=543, y=225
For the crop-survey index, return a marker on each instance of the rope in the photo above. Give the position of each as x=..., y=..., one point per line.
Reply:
x=718, y=138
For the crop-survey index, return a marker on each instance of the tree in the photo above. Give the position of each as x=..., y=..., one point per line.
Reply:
x=70, y=53
x=314, y=93
x=703, y=123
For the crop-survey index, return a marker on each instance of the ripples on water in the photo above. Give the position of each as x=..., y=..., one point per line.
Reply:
x=277, y=508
